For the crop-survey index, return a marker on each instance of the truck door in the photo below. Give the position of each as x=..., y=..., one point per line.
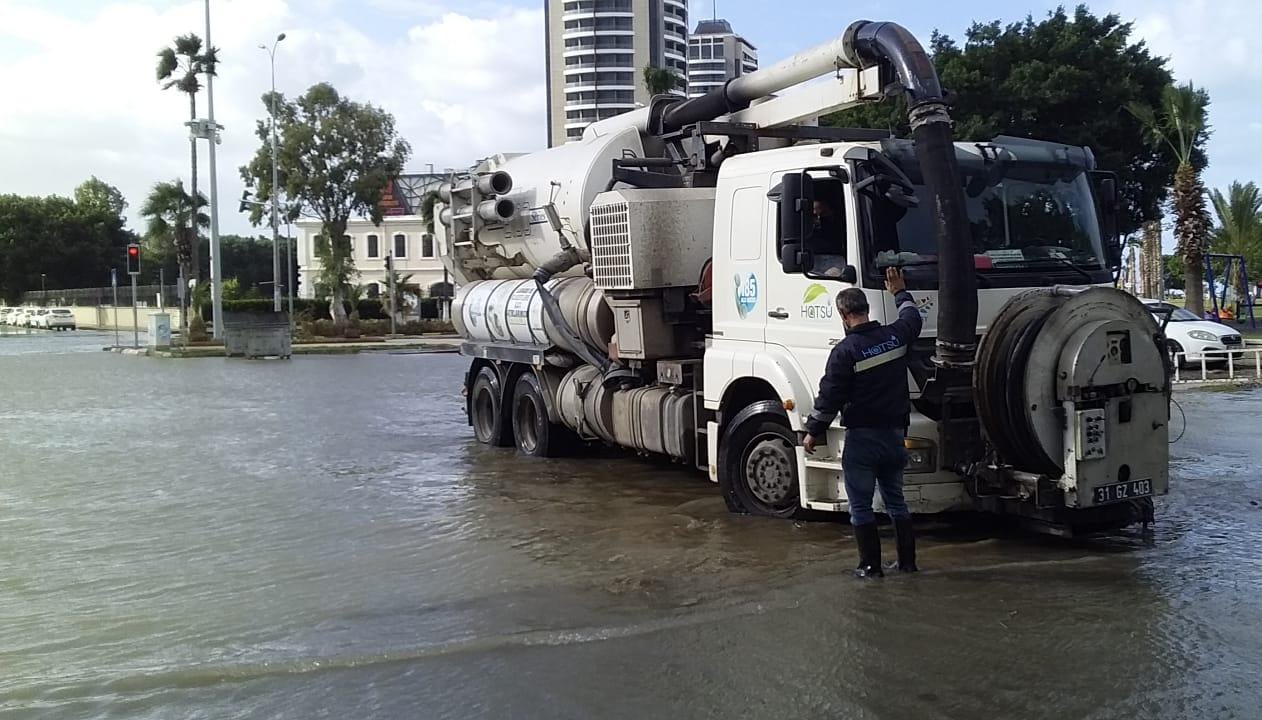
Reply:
x=801, y=306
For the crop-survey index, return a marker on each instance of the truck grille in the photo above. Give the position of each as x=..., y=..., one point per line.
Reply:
x=611, y=246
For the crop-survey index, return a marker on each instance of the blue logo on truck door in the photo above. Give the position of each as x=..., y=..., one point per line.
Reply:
x=746, y=293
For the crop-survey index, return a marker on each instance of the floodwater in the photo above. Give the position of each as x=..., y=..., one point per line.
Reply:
x=321, y=538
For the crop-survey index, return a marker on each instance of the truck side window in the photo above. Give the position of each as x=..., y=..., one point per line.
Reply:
x=827, y=244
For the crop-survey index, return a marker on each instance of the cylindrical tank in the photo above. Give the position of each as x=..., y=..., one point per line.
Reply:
x=511, y=311
x=657, y=419
x=570, y=176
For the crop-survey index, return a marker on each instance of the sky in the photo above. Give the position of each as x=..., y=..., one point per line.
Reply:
x=463, y=78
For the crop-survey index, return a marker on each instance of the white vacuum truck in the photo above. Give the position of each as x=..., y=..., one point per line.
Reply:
x=663, y=285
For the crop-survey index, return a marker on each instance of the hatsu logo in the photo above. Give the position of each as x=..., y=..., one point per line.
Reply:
x=816, y=303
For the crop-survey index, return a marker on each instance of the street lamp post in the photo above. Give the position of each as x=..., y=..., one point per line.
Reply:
x=42, y=288
x=271, y=54
x=216, y=279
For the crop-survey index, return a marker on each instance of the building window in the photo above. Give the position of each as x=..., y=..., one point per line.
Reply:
x=373, y=249
x=718, y=50
x=400, y=245
x=427, y=246
x=694, y=51
x=707, y=51
x=373, y=289
x=350, y=245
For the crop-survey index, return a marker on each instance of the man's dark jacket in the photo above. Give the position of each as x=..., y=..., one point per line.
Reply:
x=866, y=376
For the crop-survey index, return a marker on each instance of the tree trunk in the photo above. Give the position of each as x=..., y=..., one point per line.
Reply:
x=192, y=154
x=1133, y=271
x=1191, y=229
x=1153, y=270
x=338, y=271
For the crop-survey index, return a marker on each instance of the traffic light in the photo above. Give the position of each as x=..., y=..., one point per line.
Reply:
x=389, y=263
x=133, y=259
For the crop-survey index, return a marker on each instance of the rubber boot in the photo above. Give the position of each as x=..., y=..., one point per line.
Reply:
x=905, y=535
x=869, y=542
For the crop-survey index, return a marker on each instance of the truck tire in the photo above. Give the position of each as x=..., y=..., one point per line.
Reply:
x=486, y=410
x=536, y=436
x=758, y=463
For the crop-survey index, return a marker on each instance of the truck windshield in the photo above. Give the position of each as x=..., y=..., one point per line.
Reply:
x=1022, y=219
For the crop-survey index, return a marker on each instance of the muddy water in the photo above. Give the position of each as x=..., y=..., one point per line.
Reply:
x=321, y=538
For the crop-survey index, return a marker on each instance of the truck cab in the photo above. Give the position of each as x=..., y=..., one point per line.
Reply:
x=1033, y=218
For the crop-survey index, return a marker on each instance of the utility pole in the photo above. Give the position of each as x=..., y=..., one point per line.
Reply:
x=114, y=284
x=289, y=279
x=216, y=294
x=390, y=289
x=271, y=53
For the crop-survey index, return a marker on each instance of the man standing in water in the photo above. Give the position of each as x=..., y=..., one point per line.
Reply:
x=866, y=381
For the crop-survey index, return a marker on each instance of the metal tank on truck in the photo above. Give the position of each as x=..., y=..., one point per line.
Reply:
x=661, y=285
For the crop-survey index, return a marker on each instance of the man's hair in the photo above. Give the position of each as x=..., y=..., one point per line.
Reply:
x=852, y=301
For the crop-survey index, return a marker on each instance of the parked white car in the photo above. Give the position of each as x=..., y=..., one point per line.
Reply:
x=59, y=319
x=1196, y=338
x=24, y=317
x=39, y=318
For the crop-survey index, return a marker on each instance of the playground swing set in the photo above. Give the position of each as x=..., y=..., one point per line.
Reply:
x=1243, y=304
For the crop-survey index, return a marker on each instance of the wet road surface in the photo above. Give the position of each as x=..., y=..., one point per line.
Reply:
x=322, y=538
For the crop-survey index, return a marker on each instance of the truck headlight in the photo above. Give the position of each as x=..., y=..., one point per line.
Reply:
x=1202, y=335
x=921, y=455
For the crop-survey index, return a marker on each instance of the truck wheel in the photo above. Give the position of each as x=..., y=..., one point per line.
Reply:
x=758, y=469
x=485, y=411
x=536, y=436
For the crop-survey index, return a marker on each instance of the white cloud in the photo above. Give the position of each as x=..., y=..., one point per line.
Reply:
x=459, y=86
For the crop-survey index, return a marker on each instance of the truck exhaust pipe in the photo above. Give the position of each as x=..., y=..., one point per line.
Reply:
x=489, y=184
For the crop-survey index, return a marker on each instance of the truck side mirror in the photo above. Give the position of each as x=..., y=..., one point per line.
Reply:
x=849, y=275
x=1106, y=196
x=797, y=218
x=791, y=258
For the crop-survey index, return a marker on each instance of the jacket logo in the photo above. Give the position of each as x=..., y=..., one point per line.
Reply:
x=874, y=350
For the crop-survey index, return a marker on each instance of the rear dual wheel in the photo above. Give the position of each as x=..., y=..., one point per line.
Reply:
x=485, y=411
x=536, y=435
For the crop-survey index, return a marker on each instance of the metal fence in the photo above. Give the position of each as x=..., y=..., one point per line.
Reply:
x=1240, y=364
x=146, y=295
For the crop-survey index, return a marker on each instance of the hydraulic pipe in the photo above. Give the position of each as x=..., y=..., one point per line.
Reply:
x=928, y=113
x=496, y=210
x=864, y=44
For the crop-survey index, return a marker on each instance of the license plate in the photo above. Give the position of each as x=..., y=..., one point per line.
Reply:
x=1123, y=491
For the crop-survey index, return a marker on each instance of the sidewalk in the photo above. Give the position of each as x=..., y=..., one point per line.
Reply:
x=423, y=344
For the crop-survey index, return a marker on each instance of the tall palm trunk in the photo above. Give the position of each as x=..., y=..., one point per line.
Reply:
x=1153, y=263
x=1191, y=229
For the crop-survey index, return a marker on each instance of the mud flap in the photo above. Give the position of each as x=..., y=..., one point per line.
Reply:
x=712, y=448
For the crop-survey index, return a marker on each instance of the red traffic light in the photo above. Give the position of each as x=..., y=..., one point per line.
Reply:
x=133, y=259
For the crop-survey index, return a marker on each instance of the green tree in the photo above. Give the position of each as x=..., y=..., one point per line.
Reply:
x=178, y=68
x=57, y=241
x=1064, y=78
x=99, y=196
x=659, y=81
x=1172, y=267
x=168, y=210
x=335, y=158
x=1180, y=124
x=1239, y=230
x=403, y=296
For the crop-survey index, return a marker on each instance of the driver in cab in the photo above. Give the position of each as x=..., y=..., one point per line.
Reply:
x=827, y=242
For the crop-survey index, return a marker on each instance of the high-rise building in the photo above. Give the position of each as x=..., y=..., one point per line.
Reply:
x=716, y=55
x=596, y=54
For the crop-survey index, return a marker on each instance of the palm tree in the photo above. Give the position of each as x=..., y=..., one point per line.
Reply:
x=659, y=81
x=397, y=302
x=170, y=215
x=178, y=67
x=1239, y=230
x=1181, y=124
